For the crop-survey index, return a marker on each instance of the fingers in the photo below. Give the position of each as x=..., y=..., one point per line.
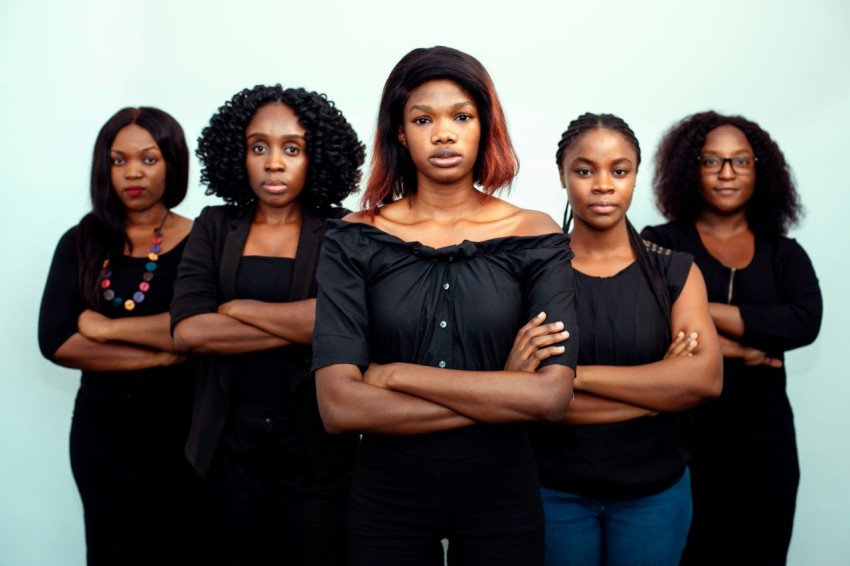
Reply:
x=682, y=345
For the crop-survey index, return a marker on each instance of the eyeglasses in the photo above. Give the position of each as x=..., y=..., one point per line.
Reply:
x=742, y=164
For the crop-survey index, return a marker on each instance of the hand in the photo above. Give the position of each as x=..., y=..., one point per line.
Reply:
x=682, y=345
x=93, y=325
x=750, y=356
x=533, y=344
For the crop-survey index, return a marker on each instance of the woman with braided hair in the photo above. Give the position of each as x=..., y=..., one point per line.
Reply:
x=723, y=183
x=614, y=474
x=276, y=483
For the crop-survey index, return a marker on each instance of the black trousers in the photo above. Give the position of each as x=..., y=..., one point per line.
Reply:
x=265, y=504
x=745, y=495
x=402, y=506
x=140, y=496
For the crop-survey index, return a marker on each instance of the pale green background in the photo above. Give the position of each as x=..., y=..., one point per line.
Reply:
x=67, y=66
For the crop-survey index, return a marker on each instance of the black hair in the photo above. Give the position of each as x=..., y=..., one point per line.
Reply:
x=102, y=231
x=575, y=131
x=334, y=151
x=774, y=207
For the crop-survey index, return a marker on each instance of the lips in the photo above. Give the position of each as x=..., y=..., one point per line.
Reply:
x=602, y=207
x=445, y=158
x=274, y=186
x=726, y=191
x=134, y=192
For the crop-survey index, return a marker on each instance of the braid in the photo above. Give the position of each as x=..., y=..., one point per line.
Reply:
x=577, y=128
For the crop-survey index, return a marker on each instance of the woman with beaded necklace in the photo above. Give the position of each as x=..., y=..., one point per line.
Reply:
x=105, y=311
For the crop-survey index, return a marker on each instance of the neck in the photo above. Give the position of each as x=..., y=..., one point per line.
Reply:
x=151, y=218
x=722, y=224
x=446, y=202
x=278, y=215
x=591, y=243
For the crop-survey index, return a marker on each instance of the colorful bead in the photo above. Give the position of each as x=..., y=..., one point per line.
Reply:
x=144, y=286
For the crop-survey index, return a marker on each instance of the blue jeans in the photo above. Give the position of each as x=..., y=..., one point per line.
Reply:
x=589, y=532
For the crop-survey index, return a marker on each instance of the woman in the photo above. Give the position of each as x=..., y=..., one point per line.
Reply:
x=418, y=297
x=275, y=482
x=615, y=480
x=105, y=311
x=725, y=187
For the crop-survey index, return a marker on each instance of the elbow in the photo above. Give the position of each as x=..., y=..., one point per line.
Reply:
x=556, y=396
x=335, y=420
x=187, y=340
x=711, y=384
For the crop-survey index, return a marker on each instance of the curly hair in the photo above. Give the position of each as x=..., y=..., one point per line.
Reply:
x=774, y=207
x=393, y=174
x=335, y=152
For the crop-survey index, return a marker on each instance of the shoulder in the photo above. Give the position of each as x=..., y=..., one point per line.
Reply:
x=672, y=265
x=535, y=223
x=669, y=235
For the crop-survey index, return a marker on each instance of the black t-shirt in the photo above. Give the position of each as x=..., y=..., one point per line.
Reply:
x=621, y=324
x=384, y=300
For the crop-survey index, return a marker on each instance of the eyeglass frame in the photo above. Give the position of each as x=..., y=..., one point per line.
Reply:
x=730, y=160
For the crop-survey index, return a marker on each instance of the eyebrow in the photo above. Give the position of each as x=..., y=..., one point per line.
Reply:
x=717, y=153
x=591, y=162
x=265, y=135
x=149, y=148
x=426, y=107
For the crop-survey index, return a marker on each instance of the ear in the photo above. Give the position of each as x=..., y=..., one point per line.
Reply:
x=563, y=178
x=401, y=137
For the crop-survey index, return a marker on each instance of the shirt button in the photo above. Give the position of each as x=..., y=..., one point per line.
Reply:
x=443, y=324
x=442, y=364
x=445, y=286
x=451, y=258
x=268, y=420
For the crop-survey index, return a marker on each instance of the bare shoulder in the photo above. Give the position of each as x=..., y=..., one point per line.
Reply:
x=534, y=223
x=361, y=217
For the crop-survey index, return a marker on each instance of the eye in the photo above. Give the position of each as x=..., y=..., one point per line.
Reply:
x=149, y=160
x=741, y=161
x=621, y=172
x=710, y=161
x=258, y=149
x=464, y=117
x=583, y=172
x=292, y=150
x=117, y=161
x=421, y=121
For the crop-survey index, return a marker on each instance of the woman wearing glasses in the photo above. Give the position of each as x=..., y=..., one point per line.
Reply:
x=727, y=190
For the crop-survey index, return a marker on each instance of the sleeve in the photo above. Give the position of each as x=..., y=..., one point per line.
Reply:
x=62, y=302
x=795, y=322
x=549, y=288
x=341, y=335
x=677, y=273
x=658, y=235
x=196, y=286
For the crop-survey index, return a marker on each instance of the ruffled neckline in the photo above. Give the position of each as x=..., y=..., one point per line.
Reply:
x=465, y=249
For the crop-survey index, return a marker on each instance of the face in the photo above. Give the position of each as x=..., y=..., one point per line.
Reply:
x=726, y=191
x=138, y=169
x=599, y=172
x=441, y=129
x=276, y=155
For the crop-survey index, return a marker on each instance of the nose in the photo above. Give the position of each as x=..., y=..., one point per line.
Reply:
x=726, y=170
x=444, y=132
x=604, y=184
x=275, y=161
x=134, y=169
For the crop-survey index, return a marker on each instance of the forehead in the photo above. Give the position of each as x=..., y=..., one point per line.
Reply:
x=277, y=118
x=602, y=142
x=133, y=137
x=726, y=137
x=438, y=92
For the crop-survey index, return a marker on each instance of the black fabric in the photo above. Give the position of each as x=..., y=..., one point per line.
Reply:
x=621, y=325
x=744, y=469
x=385, y=300
x=258, y=374
x=140, y=496
x=206, y=278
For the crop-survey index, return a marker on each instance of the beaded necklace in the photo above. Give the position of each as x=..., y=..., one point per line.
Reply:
x=139, y=296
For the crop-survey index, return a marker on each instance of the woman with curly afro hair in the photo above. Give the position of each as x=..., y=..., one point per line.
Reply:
x=723, y=183
x=275, y=482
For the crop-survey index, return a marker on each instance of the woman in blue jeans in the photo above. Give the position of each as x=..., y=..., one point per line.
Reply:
x=614, y=474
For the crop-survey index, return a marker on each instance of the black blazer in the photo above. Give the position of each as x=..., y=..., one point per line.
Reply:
x=206, y=278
